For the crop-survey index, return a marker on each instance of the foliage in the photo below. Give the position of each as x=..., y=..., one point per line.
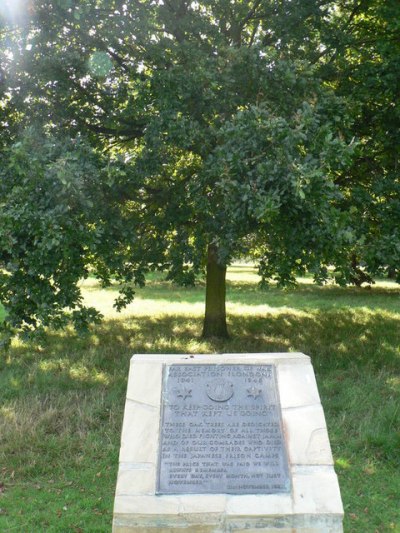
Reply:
x=361, y=62
x=44, y=219
x=225, y=134
x=54, y=223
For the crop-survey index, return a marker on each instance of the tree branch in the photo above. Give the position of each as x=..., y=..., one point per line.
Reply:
x=135, y=132
x=253, y=33
x=250, y=14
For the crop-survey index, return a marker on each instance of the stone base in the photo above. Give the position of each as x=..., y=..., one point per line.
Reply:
x=202, y=524
x=312, y=506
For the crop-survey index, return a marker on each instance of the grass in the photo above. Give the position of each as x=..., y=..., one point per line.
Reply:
x=61, y=404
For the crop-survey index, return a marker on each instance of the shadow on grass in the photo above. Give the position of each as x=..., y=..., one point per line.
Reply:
x=310, y=296
x=336, y=338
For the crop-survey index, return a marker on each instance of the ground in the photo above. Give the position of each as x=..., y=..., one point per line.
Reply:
x=61, y=403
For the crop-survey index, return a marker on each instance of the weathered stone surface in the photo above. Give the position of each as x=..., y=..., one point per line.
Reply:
x=147, y=505
x=250, y=505
x=145, y=386
x=136, y=479
x=316, y=492
x=139, y=440
x=156, y=528
x=306, y=436
x=297, y=385
x=286, y=530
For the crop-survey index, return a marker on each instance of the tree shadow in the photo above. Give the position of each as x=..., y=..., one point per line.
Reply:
x=335, y=338
x=332, y=338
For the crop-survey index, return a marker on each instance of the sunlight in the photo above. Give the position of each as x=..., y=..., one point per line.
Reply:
x=81, y=372
x=14, y=10
x=8, y=413
x=342, y=462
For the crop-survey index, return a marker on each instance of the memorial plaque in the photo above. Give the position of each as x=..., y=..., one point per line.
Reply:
x=221, y=431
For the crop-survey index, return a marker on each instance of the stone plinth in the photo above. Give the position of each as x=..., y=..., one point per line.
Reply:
x=312, y=503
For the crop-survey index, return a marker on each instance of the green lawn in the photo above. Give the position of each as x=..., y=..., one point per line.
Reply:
x=61, y=403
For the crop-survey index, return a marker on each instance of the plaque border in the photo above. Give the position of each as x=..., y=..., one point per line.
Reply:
x=158, y=492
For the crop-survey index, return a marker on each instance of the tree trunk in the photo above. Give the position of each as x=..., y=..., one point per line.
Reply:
x=215, y=315
x=391, y=273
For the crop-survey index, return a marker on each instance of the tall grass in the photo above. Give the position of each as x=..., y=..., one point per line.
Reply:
x=61, y=403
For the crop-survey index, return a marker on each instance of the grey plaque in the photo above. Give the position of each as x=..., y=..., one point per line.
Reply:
x=221, y=431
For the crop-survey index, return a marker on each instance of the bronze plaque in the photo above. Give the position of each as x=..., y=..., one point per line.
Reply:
x=221, y=431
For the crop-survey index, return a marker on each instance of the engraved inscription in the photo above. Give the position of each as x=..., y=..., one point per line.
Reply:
x=221, y=431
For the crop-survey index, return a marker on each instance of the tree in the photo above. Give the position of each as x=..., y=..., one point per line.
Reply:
x=375, y=83
x=220, y=138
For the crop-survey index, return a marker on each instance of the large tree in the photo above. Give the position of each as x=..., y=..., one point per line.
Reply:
x=219, y=139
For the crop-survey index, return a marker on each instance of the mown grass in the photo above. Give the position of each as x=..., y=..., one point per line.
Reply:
x=61, y=403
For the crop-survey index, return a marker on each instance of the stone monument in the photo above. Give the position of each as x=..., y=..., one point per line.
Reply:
x=225, y=443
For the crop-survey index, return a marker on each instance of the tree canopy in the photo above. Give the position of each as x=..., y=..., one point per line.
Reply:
x=175, y=135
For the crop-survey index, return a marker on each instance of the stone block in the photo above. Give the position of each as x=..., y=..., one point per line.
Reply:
x=144, y=386
x=136, y=479
x=139, y=439
x=306, y=435
x=316, y=492
x=251, y=505
x=297, y=384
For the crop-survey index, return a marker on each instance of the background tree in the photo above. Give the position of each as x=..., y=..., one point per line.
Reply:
x=218, y=130
x=360, y=60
